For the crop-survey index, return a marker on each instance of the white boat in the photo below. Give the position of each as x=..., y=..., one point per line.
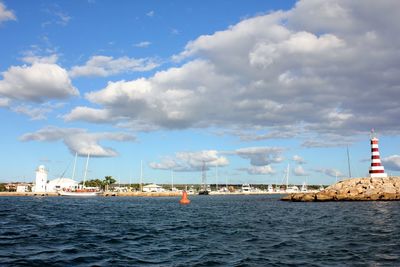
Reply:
x=292, y=189
x=246, y=188
x=304, y=187
x=82, y=191
x=78, y=193
x=270, y=189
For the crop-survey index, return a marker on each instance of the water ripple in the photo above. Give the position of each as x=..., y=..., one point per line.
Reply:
x=211, y=231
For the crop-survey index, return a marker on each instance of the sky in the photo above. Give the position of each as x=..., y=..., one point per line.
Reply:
x=244, y=88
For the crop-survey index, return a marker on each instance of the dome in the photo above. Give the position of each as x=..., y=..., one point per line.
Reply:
x=60, y=183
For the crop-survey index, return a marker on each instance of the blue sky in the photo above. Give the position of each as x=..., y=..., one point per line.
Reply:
x=248, y=86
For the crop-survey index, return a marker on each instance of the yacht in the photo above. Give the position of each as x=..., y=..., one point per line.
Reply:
x=81, y=191
x=270, y=188
x=303, y=187
x=246, y=188
x=292, y=189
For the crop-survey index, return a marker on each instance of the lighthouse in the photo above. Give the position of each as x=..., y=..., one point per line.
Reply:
x=41, y=180
x=376, y=169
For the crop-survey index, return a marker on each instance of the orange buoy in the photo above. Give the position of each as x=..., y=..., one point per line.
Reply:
x=184, y=199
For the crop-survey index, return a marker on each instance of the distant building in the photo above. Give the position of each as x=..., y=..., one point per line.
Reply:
x=22, y=188
x=41, y=180
x=61, y=183
x=153, y=188
x=42, y=185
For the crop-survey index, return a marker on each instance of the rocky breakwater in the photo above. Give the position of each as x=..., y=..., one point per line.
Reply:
x=356, y=189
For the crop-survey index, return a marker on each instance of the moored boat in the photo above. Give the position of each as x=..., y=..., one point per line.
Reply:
x=79, y=193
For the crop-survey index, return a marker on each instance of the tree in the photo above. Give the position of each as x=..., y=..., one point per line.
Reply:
x=2, y=188
x=107, y=181
x=94, y=183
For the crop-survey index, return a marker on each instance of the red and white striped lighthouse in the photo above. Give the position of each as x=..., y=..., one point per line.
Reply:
x=377, y=169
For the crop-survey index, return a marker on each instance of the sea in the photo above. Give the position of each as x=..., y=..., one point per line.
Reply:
x=240, y=230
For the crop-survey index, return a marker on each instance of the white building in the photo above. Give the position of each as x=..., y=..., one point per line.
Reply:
x=41, y=180
x=61, y=183
x=153, y=188
x=22, y=188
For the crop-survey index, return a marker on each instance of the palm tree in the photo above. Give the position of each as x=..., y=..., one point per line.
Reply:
x=107, y=181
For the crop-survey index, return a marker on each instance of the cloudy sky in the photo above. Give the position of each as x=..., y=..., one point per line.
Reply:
x=244, y=90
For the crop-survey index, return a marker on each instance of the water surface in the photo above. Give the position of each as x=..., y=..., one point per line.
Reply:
x=211, y=231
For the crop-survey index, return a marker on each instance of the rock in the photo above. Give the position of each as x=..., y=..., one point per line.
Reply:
x=356, y=189
x=308, y=197
x=323, y=196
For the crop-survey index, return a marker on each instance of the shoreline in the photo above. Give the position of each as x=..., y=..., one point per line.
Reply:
x=136, y=194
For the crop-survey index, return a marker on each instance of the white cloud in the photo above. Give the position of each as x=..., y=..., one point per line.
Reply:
x=261, y=156
x=36, y=113
x=6, y=14
x=79, y=140
x=150, y=13
x=260, y=170
x=4, y=102
x=31, y=58
x=276, y=71
x=88, y=114
x=191, y=161
x=37, y=83
x=392, y=162
x=299, y=171
x=143, y=44
x=298, y=159
x=106, y=66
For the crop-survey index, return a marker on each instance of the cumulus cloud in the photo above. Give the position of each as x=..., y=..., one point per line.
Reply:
x=256, y=170
x=36, y=112
x=191, y=161
x=6, y=14
x=88, y=114
x=298, y=159
x=106, y=66
x=79, y=140
x=32, y=58
x=261, y=156
x=299, y=171
x=4, y=102
x=392, y=162
x=283, y=69
x=37, y=83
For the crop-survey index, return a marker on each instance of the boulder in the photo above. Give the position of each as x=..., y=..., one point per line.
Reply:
x=323, y=196
x=308, y=197
x=356, y=189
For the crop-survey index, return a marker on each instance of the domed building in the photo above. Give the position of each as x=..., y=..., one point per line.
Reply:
x=43, y=185
x=61, y=183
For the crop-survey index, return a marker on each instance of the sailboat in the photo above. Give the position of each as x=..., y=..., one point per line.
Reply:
x=82, y=191
x=290, y=189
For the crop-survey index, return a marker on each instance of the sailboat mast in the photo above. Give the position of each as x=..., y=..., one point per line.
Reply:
x=73, y=171
x=141, y=175
x=348, y=161
x=172, y=179
x=287, y=176
x=216, y=177
x=86, y=169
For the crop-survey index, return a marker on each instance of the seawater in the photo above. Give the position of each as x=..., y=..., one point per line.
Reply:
x=211, y=231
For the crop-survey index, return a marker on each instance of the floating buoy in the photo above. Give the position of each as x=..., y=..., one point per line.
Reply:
x=184, y=200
